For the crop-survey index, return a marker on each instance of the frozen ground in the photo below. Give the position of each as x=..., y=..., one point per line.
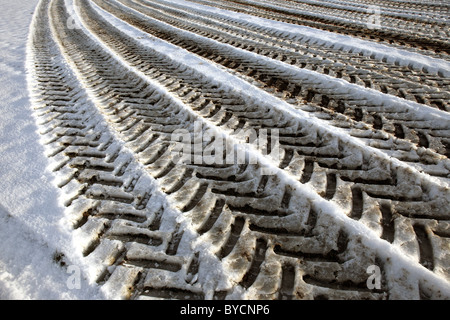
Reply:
x=91, y=190
x=30, y=233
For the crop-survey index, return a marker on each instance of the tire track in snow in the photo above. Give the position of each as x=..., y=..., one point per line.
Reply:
x=346, y=107
x=439, y=48
x=112, y=202
x=269, y=248
x=309, y=55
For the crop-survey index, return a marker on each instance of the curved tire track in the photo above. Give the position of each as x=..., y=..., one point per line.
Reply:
x=151, y=226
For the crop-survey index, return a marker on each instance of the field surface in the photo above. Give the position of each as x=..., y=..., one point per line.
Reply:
x=227, y=150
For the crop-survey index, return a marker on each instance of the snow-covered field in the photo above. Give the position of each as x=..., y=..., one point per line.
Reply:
x=349, y=201
x=30, y=212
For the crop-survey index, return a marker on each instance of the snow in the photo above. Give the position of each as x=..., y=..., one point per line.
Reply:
x=30, y=230
x=327, y=209
x=230, y=82
x=364, y=8
x=329, y=39
x=32, y=215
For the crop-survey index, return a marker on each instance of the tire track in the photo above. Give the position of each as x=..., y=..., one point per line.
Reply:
x=304, y=56
x=386, y=225
x=404, y=11
x=329, y=190
x=330, y=23
x=232, y=192
x=321, y=98
x=362, y=15
x=108, y=195
x=160, y=228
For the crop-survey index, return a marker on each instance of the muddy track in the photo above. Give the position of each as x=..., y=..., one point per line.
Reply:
x=306, y=226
